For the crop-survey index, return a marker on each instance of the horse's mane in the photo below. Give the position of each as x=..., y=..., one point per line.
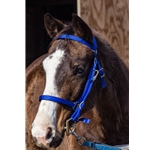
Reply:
x=115, y=97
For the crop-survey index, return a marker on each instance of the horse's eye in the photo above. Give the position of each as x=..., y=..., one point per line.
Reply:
x=78, y=70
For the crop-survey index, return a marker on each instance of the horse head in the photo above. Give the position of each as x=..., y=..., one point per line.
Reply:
x=68, y=66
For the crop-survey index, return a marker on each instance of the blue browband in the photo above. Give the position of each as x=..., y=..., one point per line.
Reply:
x=94, y=71
x=80, y=40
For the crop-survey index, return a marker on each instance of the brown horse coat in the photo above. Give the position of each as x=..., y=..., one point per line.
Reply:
x=111, y=112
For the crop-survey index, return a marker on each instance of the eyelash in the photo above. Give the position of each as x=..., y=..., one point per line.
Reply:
x=78, y=70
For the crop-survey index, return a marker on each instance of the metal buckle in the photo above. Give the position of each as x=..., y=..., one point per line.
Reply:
x=79, y=138
x=96, y=74
x=100, y=71
x=69, y=129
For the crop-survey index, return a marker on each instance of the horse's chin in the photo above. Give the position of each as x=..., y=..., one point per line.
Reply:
x=54, y=143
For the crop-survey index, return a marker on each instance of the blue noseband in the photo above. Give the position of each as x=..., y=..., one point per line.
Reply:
x=94, y=71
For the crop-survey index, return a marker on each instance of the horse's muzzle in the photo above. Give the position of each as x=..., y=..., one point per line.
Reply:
x=46, y=138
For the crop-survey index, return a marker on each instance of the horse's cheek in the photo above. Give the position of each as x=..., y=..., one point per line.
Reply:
x=62, y=114
x=77, y=88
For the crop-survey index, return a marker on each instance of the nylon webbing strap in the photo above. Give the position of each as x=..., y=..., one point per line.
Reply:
x=99, y=146
x=57, y=100
x=78, y=39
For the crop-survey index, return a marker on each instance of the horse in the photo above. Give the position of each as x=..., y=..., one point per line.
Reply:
x=83, y=89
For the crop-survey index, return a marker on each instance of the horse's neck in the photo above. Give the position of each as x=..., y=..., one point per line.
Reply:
x=92, y=131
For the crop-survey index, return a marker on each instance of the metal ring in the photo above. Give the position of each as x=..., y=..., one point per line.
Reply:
x=79, y=140
x=80, y=105
x=96, y=74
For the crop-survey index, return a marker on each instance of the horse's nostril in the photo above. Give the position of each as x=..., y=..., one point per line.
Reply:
x=48, y=133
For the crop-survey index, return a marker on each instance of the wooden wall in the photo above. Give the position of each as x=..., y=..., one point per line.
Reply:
x=111, y=18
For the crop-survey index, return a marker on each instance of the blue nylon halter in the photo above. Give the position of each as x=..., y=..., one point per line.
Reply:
x=78, y=105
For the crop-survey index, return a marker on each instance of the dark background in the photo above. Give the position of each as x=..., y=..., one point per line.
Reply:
x=37, y=40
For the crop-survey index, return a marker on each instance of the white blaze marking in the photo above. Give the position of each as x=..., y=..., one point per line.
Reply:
x=46, y=116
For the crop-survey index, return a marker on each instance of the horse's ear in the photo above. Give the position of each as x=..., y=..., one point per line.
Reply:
x=52, y=25
x=81, y=29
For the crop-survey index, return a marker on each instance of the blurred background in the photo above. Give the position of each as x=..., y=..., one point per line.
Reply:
x=109, y=17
